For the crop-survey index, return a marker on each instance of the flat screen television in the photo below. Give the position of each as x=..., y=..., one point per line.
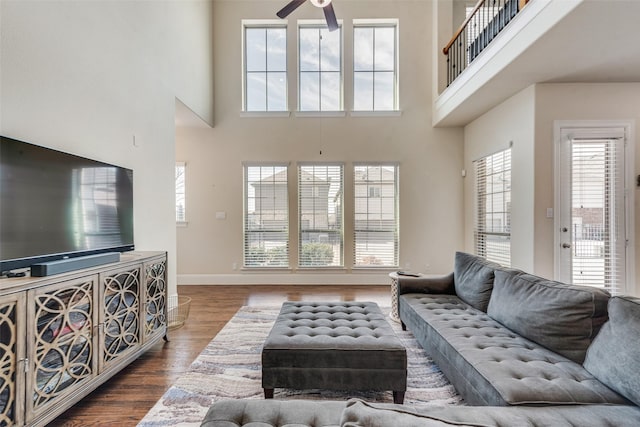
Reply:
x=55, y=205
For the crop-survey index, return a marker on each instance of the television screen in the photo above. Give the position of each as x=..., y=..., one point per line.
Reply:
x=55, y=205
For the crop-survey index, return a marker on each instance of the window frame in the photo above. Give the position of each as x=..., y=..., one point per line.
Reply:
x=339, y=217
x=378, y=23
x=264, y=24
x=245, y=215
x=481, y=228
x=181, y=221
x=320, y=24
x=377, y=197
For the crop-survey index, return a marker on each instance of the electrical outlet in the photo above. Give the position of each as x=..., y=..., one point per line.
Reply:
x=234, y=266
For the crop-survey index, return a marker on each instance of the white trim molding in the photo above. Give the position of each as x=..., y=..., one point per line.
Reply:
x=381, y=278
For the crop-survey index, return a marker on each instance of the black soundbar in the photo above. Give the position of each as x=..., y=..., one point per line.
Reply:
x=70, y=264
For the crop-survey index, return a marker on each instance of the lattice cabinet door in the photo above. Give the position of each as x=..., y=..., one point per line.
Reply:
x=155, y=298
x=120, y=329
x=61, y=344
x=12, y=324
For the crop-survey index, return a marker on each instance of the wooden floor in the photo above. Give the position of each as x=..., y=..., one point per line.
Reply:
x=127, y=397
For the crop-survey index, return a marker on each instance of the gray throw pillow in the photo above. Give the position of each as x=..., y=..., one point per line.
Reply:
x=473, y=279
x=563, y=318
x=614, y=356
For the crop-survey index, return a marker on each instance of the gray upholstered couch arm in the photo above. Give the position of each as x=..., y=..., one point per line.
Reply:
x=426, y=284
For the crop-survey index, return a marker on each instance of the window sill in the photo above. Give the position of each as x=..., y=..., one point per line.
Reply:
x=263, y=114
x=369, y=269
x=393, y=113
x=320, y=114
x=316, y=268
x=265, y=269
x=182, y=223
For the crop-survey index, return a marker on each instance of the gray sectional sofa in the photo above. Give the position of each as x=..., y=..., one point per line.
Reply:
x=520, y=349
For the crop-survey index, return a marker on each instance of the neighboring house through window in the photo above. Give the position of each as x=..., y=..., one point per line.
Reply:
x=493, y=207
x=265, y=67
x=320, y=193
x=376, y=215
x=266, y=216
x=320, y=68
x=375, y=77
x=181, y=215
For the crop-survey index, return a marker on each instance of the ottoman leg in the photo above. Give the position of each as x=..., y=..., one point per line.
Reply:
x=268, y=393
x=398, y=397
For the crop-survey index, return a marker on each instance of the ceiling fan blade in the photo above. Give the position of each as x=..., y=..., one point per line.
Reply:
x=330, y=16
x=293, y=5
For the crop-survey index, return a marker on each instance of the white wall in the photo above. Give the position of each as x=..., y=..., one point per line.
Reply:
x=527, y=119
x=89, y=77
x=512, y=122
x=430, y=159
x=578, y=101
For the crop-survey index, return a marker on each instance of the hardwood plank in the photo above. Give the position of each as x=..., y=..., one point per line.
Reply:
x=127, y=397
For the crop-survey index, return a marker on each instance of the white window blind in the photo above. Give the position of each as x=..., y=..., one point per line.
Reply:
x=181, y=215
x=493, y=207
x=376, y=215
x=597, y=213
x=320, y=68
x=265, y=67
x=266, y=216
x=320, y=194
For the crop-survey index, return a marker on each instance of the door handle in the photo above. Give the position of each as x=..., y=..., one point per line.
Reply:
x=566, y=245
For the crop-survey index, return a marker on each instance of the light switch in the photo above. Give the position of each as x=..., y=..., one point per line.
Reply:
x=549, y=212
x=221, y=215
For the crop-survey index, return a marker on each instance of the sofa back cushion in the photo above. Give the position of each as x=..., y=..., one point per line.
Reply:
x=614, y=356
x=564, y=318
x=473, y=279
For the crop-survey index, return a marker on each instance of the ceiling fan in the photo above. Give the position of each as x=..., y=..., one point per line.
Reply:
x=325, y=5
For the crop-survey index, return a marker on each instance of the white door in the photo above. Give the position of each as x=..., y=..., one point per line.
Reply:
x=591, y=224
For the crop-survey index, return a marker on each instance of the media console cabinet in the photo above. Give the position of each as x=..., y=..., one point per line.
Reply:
x=62, y=336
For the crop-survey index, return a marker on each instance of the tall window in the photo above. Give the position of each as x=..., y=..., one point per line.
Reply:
x=180, y=192
x=266, y=216
x=375, y=67
x=376, y=215
x=320, y=65
x=320, y=189
x=493, y=215
x=265, y=68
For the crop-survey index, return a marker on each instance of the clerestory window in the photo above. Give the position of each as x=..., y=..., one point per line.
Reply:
x=320, y=68
x=265, y=67
x=375, y=70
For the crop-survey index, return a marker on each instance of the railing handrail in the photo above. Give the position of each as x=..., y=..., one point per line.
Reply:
x=462, y=27
x=478, y=5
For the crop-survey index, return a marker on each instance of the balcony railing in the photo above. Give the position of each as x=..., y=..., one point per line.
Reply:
x=485, y=21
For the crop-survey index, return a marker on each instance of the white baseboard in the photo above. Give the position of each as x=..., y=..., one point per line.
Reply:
x=381, y=278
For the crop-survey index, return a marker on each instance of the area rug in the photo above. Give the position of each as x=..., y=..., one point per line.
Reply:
x=229, y=368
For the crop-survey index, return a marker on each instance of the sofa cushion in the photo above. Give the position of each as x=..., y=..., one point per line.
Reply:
x=473, y=279
x=563, y=318
x=614, y=356
x=359, y=414
x=490, y=365
x=266, y=413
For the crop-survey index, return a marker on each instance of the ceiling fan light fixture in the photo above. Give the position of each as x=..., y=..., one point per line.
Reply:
x=320, y=3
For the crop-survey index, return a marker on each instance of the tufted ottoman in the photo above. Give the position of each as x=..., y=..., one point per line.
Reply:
x=337, y=345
